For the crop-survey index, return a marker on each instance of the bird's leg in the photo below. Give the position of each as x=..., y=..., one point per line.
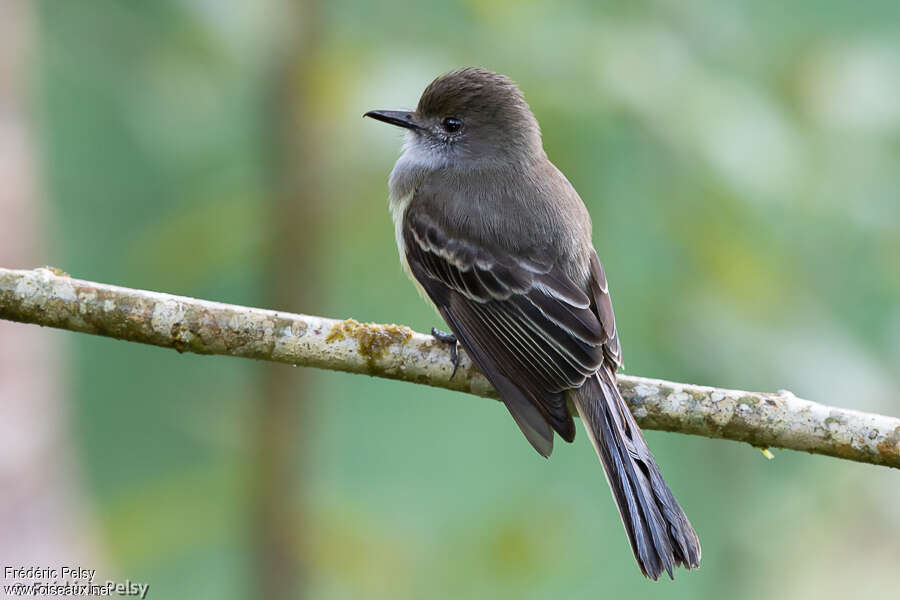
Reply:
x=449, y=339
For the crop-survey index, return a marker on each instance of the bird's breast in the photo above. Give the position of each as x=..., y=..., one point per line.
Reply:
x=399, y=203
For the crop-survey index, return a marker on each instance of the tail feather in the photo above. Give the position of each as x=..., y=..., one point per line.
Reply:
x=660, y=534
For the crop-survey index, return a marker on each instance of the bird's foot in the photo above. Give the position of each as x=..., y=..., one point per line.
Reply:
x=449, y=339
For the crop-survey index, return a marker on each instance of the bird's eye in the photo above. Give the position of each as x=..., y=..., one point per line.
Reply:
x=451, y=124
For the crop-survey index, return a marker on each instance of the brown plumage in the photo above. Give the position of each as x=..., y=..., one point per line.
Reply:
x=500, y=242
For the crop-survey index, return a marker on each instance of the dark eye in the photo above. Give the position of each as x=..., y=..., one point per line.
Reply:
x=451, y=124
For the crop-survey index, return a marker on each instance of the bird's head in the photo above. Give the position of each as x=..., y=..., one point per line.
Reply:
x=467, y=116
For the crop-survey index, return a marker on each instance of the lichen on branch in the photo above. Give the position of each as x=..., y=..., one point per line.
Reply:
x=51, y=298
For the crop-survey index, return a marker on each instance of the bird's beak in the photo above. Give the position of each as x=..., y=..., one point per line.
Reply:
x=400, y=118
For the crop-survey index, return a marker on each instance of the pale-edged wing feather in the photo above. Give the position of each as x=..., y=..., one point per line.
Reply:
x=522, y=320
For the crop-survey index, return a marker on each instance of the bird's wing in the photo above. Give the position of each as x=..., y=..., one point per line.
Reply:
x=533, y=332
x=612, y=350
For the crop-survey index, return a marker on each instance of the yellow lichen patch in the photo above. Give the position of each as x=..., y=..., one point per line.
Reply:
x=56, y=271
x=337, y=331
x=373, y=339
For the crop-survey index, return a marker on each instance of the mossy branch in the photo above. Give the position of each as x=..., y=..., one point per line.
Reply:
x=51, y=298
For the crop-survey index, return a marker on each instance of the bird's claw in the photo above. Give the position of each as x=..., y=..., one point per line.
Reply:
x=449, y=339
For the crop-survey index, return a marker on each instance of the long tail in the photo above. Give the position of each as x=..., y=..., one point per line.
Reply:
x=660, y=534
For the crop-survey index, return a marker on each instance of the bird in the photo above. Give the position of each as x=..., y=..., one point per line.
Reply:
x=499, y=241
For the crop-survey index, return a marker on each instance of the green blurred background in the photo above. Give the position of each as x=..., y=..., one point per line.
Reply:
x=741, y=161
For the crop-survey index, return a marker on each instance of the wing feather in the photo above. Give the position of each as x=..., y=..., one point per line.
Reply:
x=520, y=318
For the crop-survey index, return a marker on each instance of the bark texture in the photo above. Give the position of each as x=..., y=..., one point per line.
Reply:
x=51, y=298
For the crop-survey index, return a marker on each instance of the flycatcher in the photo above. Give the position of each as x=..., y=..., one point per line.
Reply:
x=499, y=240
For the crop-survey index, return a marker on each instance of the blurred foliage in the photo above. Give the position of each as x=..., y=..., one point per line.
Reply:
x=740, y=161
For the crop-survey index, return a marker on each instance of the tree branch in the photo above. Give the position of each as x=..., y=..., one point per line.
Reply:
x=51, y=298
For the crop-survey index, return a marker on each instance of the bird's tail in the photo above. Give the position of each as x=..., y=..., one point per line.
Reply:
x=660, y=534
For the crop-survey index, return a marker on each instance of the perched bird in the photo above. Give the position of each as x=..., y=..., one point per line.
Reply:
x=499, y=240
